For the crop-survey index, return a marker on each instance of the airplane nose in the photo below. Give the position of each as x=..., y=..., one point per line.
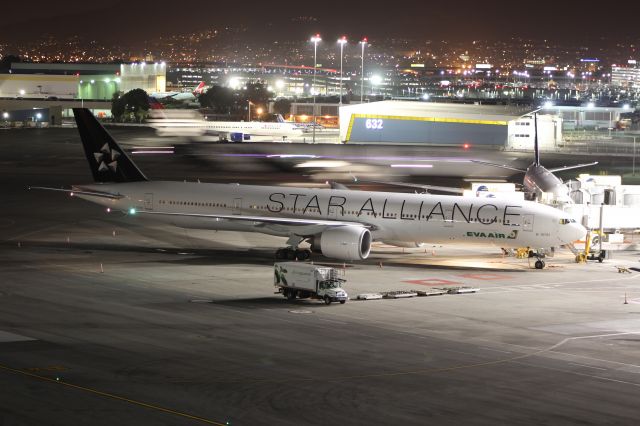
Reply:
x=579, y=231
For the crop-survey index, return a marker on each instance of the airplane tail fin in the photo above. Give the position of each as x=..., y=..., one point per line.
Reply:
x=108, y=162
x=154, y=103
x=200, y=89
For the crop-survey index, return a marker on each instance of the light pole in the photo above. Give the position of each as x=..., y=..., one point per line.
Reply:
x=363, y=43
x=315, y=40
x=633, y=170
x=342, y=41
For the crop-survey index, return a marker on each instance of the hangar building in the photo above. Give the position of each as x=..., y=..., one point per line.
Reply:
x=408, y=122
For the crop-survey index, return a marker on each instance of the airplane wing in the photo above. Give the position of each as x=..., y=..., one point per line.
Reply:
x=301, y=227
x=74, y=192
x=502, y=166
x=561, y=169
x=425, y=187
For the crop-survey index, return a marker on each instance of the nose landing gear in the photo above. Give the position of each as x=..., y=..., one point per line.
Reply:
x=540, y=263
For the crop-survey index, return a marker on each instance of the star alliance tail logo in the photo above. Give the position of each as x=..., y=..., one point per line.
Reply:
x=107, y=159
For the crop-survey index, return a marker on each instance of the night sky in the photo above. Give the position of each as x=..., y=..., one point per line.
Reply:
x=459, y=20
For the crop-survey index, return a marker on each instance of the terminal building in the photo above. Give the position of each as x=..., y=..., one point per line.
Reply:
x=65, y=86
x=407, y=122
x=626, y=77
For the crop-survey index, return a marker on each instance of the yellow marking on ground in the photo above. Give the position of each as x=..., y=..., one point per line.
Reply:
x=110, y=395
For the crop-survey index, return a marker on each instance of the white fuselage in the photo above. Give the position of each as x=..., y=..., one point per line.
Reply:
x=390, y=216
x=257, y=128
x=167, y=127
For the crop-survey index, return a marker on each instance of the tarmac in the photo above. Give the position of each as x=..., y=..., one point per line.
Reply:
x=104, y=320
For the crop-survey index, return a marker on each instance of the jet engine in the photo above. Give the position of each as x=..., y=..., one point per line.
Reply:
x=344, y=243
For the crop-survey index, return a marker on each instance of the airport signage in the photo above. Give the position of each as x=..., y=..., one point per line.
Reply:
x=374, y=124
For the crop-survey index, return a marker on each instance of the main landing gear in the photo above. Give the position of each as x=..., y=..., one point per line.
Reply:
x=289, y=253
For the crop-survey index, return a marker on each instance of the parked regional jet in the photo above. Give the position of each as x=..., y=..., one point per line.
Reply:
x=539, y=179
x=181, y=96
x=190, y=123
x=340, y=224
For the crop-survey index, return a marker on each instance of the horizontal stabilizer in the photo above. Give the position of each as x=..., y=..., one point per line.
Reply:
x=502, y=166
x=577, y=166
x=73, y=192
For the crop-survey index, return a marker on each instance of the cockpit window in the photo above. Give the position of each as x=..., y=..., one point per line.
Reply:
x=567, y=221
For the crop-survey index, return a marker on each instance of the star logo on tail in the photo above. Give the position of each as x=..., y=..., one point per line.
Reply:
x=107, y=158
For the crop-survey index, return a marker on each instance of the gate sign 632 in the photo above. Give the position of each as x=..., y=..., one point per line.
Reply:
x=374, y=123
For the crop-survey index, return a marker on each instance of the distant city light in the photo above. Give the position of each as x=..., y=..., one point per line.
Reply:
x=38, y=116
x=234, y=82
x=626, y=106
x=5, y=115
x=279, y=84
x=548, y=104
x=591, y=105
x=22, y=92
x=376, y=79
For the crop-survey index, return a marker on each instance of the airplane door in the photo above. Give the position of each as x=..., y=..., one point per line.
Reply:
x=237, y=206
x=148, y=201
x=527, y=222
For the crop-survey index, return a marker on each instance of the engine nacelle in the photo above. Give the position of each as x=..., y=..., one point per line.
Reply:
x=405, y=244
x=344, y=243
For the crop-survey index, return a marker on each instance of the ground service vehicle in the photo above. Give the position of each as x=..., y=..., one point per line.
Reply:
x=303, y=280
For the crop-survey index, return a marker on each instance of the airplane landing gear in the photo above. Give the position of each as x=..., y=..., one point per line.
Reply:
x=540, y=264
x=289, y=253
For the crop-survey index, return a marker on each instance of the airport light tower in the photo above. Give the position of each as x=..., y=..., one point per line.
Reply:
x=342, y=41
x=315, y=40
x=363, y=43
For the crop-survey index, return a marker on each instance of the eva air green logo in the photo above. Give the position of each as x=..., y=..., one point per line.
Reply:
x=495, y=235
x=280, y=272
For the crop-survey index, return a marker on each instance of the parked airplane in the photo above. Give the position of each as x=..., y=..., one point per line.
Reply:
x=539, y=179
x=340, y=224
x=190, y=123
x=180, y=96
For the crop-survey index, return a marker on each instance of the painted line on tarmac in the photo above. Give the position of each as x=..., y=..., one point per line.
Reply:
x=562, y=283
x=112, y=396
